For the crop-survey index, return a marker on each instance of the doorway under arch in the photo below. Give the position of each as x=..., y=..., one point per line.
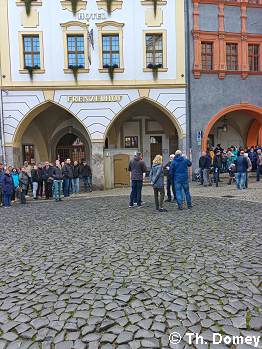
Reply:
x=40, y=132
x=238, y=125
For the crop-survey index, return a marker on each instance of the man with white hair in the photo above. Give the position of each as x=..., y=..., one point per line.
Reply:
x=179, y=172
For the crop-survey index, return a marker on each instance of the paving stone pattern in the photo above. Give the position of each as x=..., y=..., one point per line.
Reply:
x=91, y=273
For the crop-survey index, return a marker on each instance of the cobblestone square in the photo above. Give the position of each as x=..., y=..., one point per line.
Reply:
x=91, y=273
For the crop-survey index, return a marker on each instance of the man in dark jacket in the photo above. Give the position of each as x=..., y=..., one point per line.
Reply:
x=75, y=180
x=86, y=175
x=259, y=164
x=241, y=170
x=205, y=165
x=169, y=180
x=58, y=179
x=67, y=171
x=7, y=188
x=179, y=171
x=48, y=180
x=137, y=168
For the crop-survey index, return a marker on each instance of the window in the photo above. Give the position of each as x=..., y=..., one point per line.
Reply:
x=28, y=152
x=207, y=56
x=111, y=56
x=154, y=50
x=253, y=57
x=131, y=142
x=76, y=46
x=232, y=56
x=76, y=51
x=110, y=41
x=31, y=51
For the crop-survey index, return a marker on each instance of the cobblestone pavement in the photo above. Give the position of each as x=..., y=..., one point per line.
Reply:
x=91, y=273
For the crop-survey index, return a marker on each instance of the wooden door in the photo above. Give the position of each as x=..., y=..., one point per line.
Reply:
x=121, y=173
x=155, y=146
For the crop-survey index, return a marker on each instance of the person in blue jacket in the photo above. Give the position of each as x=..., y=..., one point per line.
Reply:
x=15, y=176
x=8, y=188
x=179, y=171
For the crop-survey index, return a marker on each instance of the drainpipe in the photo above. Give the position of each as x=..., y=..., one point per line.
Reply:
x=188, y=80
x=2, y=142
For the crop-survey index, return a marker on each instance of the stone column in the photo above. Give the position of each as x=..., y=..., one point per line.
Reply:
x=98, y=165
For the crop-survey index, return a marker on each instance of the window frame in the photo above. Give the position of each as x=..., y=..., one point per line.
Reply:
x=75, y=52
x=164, y=50
x=237, y=56
x=110, y=28
x=21, y=35
x=253, y=57
x=83, y=31
x=111, y=51
x=207, y=55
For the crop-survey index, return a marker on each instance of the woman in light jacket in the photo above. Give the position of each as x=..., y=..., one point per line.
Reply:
x=157, y=180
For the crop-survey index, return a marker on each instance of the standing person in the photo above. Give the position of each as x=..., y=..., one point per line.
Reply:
x=58, y=180
x=169, y=182
x=179, y=170
x=137, y=168
x=28, y=170
x=205, y=165
x=157, y=180
x=231, y=167
x=48, y=180
x=1, y=176
x=23, y=184
x=67, y=171
x=15, y=177
x=7, y=188
x=35, y=180
x=253, y=158
x=86, y=174
x=217, y=164
x=241, y=170
x=75, y=180
x=249, y=169
x=259, y=164
x=40, y=181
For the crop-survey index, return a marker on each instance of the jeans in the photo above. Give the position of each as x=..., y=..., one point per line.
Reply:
x=241, y=180
x=7, y=200
x=87, y=180
x=75, y=184
x=35, y=186
x=67, y=185
x=216, y=175
x=259, y=172
x=180, y=187
x=22, y=196
x=40, y=188
x=48, y=189
x=57, y=189
x=159, y=204
x=136, y=190
x=170, y=184
x=206, y=178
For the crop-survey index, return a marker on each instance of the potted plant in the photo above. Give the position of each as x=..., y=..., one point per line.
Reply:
x=31, y=69
x=74, y=6
x=75, y=69
x=155, y=68
x=111, y=68
x=28, y=4
x=109, y=6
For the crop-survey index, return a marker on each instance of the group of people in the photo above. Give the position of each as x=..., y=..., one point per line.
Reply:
x=177, y=180
x=237, y=162
x=45, y=180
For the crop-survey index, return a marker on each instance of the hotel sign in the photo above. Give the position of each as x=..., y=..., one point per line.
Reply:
x=93, y=99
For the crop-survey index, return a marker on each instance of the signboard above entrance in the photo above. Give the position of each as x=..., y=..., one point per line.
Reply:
x=96, y=98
